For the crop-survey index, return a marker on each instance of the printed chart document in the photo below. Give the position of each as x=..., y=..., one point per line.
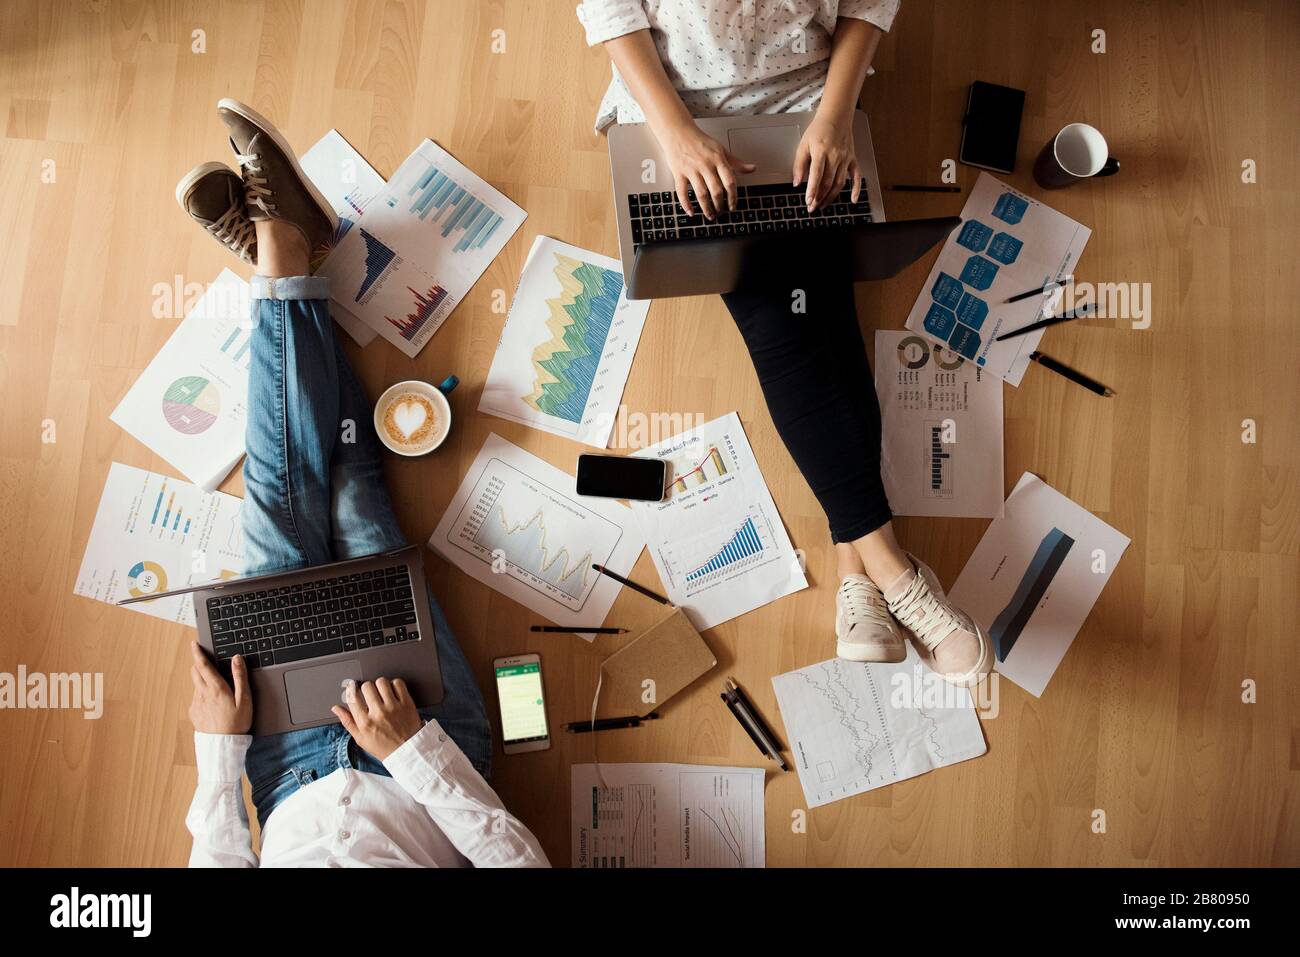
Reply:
x=1034, y=577
x=567, y=346
x=941, y=451
x=666, y=815
x=716, y=538
x=428, y=236
x=153, y=533
x=189, y=404
x=1008, y=243
x=855, y=726
x=518, y=525
x=349, y=184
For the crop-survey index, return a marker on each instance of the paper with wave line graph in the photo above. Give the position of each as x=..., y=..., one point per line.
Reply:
x=854, y=726
x=567, y=345
x=517, y=525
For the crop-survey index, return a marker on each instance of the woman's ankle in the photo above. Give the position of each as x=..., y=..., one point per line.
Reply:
x=882, y=558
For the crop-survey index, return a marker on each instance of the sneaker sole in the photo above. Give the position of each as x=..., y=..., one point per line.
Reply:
x=190, y=179
x=856, y=651
x=267, y=127
x=984, y=667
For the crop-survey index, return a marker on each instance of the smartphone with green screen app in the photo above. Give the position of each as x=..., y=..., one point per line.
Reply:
x=523, y=703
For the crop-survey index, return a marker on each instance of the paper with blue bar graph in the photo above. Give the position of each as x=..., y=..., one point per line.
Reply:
x=419, y=246
x=1034, y=577
x=189, y=404
x=716, y=538
x=567, y=345
x=1007, y=243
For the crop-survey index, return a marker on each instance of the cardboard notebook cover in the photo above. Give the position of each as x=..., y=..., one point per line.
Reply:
x=671, y=654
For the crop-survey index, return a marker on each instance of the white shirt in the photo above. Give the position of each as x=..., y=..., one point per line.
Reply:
x=435, y=811
x=730, y=56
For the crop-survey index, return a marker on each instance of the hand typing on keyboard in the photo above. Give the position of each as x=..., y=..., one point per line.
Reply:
x=219, y=707
x=703, y=165
x=380, y=715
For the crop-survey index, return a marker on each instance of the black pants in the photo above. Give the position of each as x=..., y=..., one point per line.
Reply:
x=817, y=382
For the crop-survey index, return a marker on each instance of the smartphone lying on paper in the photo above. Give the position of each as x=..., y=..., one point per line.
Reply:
x=621, y=476
x=523, y=703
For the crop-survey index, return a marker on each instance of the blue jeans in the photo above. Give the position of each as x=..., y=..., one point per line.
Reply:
x=315, y=493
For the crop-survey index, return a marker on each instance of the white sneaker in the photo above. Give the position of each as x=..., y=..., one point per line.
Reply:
x=959, y=650
x=864, y=628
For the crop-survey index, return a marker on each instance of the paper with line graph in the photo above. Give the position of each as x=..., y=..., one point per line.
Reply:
x=419, y=246
x=716, y=538
x=853, y=726
x=567, y=345
x=666, y=815
x=941, y=445
x=517, y=525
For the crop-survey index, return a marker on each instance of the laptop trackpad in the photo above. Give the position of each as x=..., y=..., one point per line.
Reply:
x=311, y=692
x=770, y=148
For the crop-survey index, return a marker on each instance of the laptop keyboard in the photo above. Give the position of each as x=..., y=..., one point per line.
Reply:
x=772, y=208
x=278, y=626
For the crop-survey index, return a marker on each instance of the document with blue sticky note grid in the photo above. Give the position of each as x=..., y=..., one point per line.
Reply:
x=1008, y=242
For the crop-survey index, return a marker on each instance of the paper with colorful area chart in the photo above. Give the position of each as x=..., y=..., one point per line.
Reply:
x=1008, y=243
x=567, y=346
x=419, y=246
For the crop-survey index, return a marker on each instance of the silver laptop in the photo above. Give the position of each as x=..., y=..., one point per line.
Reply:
x=771, y=233
x=305, y=633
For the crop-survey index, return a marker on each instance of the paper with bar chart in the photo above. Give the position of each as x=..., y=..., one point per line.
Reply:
x=567, y=345
x=153, y=533
x=1034, y=577
x=189, y=404
x=666, y=815
x=716, y=538
x=855, y=726
x=349, y=184
x=941, y=445
x=517, y=525
x=421, y=244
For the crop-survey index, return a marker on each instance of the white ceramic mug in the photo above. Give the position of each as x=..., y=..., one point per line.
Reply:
x=437, y=396
x=1076, y=153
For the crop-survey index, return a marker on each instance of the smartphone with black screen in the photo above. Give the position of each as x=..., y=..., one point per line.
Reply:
x=991, y=127
x=622, y=476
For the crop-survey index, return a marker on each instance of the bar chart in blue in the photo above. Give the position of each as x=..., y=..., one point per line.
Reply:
x=459, y=214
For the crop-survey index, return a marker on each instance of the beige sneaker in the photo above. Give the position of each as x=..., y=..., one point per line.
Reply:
x=959, y=650
x=864, y=628
x=212, y=194
x=275, y=187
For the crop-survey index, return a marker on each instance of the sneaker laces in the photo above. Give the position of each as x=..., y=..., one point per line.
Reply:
x=921, y=612
x=863, y=602
x=256, y=192
x=236, y=232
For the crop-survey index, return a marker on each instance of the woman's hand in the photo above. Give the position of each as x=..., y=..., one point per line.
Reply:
x=701, y=162
x=380, y=715
x=216, y=707
x=826, y=159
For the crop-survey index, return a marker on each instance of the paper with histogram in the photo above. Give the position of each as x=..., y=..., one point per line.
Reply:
x=517, y=525
x=419, y=246
x=941, y=444
x=1034, y=577
x=153, y=533
x=567, y=345
x=189, y=404
x=854, y=726
x=666, y=815
x=716, y=538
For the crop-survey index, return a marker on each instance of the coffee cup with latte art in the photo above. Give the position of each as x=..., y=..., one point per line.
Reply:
x=413, y=418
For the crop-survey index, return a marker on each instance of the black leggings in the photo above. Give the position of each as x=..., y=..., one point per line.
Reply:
x=817, y=382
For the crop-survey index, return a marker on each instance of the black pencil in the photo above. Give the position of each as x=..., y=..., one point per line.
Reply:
x=1081, y=313
x=631, y=584
x=1039, y=291
x=576, y=629
x=1061, y=369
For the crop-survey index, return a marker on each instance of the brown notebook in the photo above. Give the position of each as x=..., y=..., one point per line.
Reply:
x=671, y=654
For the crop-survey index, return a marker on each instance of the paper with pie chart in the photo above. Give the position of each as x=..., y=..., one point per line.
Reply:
x=189, y=404
x=567, y=346
x=716, y=538
x=941, y=444
x=153, y=533
x=518, y=525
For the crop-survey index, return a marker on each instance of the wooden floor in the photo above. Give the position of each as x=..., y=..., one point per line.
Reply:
x=1144, y=720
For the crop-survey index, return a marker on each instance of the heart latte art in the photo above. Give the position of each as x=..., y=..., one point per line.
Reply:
x=410, y=422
